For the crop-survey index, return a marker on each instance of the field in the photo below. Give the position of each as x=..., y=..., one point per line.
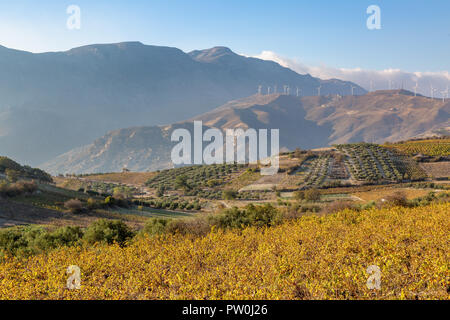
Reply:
x=315, y=257
x=428, y=147
x=437, y=170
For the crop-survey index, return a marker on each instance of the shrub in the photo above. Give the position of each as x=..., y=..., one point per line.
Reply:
x=258, y=216
x=74, y=206
x=182, y=183
x=109, y=201
x=338, y=205
x=312, y=195
x=12, y=175
x=155, y=226
x=26, y=187
x=193, y=226
x=229, y=194
x=108, y=231
x=30, y=240
x=299, y=195
x=396, y=199
x=92, y=204
x=16, y=189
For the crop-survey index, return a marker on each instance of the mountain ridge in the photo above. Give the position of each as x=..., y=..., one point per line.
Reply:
x=53, y=102
x=305, y=122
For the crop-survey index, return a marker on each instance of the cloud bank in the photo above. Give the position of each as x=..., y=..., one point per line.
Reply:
x=371, y=79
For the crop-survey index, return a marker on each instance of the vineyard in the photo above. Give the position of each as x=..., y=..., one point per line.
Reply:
x=314, y=257
x=432, y=147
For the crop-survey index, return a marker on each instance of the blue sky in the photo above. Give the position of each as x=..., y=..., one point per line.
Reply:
x=415, y=35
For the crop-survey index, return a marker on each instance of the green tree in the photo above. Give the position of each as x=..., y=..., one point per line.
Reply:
x=312, y=195
x=12, y=175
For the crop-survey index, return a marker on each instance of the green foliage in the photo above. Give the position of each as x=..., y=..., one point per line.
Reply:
x=25, y=172
x=155, y=226
x=194, y=177
x=108, y=231
x=30, y=240
x=258, y=216
x=181, y=182
x=109, y=201
x=161, y=190
x=312, y=195
x=12, y=175
x=229, y=194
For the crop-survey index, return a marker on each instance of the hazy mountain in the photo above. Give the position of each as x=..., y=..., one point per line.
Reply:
x=306, y=122
x=53, y=102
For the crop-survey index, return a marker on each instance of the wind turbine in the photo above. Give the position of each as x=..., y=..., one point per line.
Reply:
x=432, y=91
x=444, y=94
x=298, y=92
x=259, y=89
x=415, y=89
x=318, y=90
x=288, y=90
x=353, y=88
x=268, y=90
x=285, y=89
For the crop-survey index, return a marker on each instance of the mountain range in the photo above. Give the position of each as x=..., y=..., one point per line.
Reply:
x=53, y=102
x=305, y=122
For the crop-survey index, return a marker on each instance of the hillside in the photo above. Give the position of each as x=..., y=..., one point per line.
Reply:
x=53, y=102
x=305, y=122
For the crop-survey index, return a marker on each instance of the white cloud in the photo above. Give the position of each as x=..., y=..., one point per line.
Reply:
x=375, y=79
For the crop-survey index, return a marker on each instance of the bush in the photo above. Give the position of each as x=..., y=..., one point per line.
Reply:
x=109, y=201
x=92, y=204
x=396, y=199
x=229, y=194
x=299, y=195
x=12, y=175
x=108, y=231
x=155, y=226
x=312, y=195
x=17, y=189
x=258, y=216
x=74, y=206
x=339, y=205
x=194, y=226
x=26, y=241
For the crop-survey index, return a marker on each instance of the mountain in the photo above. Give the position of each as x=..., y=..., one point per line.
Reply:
x=306, y=122
x=53, y=102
